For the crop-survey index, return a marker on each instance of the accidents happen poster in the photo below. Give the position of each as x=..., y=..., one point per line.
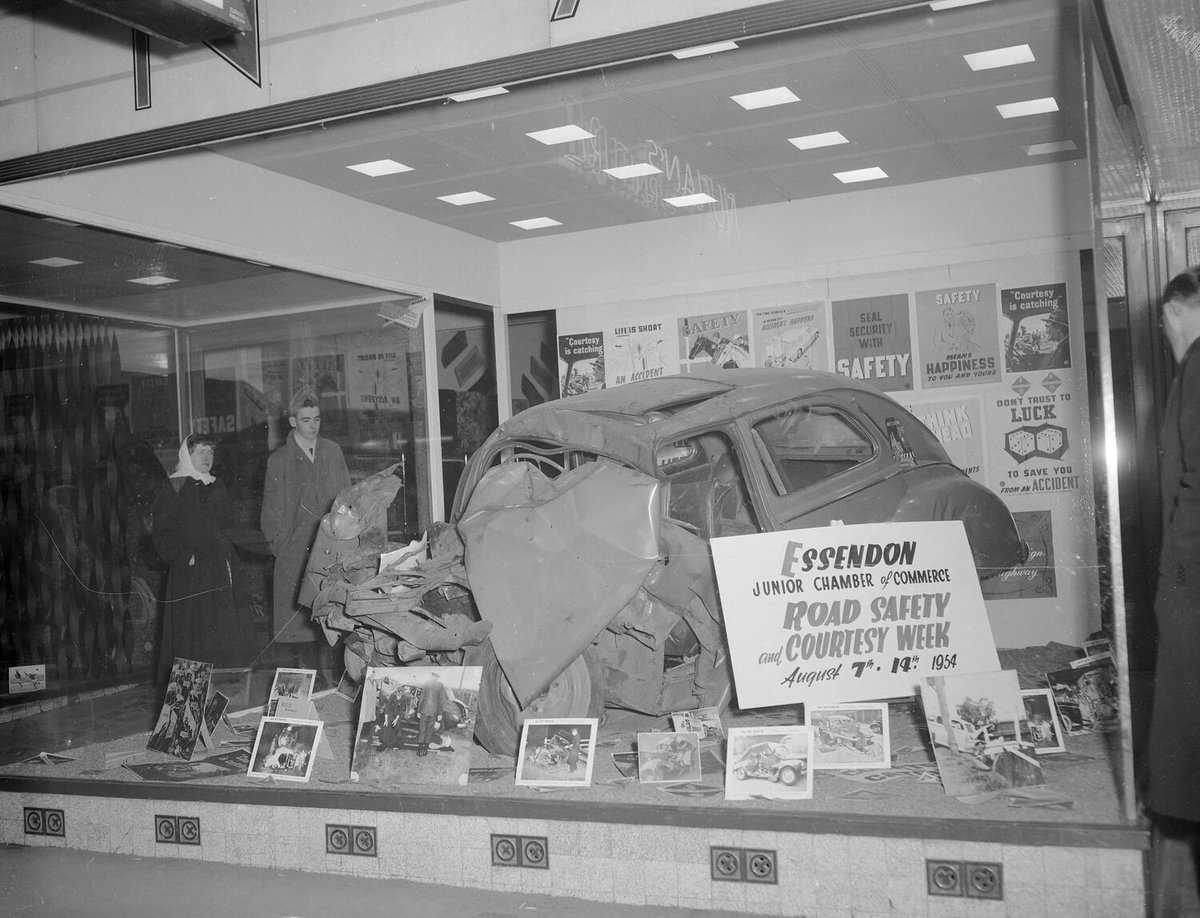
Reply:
x=850, y=613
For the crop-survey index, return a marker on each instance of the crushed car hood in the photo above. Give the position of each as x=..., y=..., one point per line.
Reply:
x=552, y=561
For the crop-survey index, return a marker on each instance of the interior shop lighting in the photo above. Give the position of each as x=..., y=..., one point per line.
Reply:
x=999, y=57
x=813, y=141
x=565, y=134
x=154, y=280
x=535, y=223
x=1028, y=107
x=634, y=170
x=380, y=167
x=55, y=262
x=478, y=94
x=1057, y=146
x=691, y=200
x=701, y=50
x=765, y=98
x=465, y=197
x=860, y=175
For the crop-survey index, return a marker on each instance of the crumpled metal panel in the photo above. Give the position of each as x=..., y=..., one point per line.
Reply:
x=551, y=561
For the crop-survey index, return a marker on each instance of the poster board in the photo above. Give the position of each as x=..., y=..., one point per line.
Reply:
x=850, y=613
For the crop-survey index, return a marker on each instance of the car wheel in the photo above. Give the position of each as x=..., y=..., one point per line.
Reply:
x=788, y=775
x=577, y=692
x=740, y=774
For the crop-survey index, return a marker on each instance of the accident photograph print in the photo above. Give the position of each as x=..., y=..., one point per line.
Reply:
x=556, y=752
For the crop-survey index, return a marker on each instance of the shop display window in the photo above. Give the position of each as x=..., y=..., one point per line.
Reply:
x=978, y=352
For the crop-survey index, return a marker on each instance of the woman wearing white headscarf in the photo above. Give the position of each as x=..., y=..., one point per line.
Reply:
x=195, y=536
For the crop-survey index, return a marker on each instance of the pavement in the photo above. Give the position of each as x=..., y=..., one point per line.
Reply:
x=65, y=883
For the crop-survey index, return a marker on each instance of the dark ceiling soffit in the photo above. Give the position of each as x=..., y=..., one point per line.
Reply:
x=787, y=15
x=1109, y=64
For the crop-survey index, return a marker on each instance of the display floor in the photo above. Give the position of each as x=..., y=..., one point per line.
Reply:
x=1074, y=839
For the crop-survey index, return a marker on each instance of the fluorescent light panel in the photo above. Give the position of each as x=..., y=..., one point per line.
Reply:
x=999, y=57
x=1028, y=107
x=478, y=94
x=154, y=280
x=701, y=50
x=690, y=200
x=465, y=197
x=951, y=4
x=535, y=223
x=565, y=134
x=813, y=141
x=634, y=170
x=765, y=98
x=1057, y=146
x=55, y=262
x=860, y=175
x=380, y=167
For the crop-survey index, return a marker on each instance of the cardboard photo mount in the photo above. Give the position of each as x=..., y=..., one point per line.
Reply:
x=772, y=761
x=285, y=749
x=668, y=758
x=557, y=752
x=850, y=736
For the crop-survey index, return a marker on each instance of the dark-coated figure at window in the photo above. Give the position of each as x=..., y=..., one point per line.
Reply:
x=195, y=532
x=303, y=478
x=1174, y=754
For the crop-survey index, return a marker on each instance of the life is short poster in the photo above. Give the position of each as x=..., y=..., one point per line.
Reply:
x=850, y=613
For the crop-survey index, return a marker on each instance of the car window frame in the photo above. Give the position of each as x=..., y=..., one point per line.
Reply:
x=781, y=509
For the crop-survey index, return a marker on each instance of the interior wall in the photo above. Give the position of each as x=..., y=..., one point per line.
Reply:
x=208, y=201
x=872, y=231
x=997, y=233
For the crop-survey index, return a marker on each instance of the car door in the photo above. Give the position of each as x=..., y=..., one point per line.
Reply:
x=819, y=459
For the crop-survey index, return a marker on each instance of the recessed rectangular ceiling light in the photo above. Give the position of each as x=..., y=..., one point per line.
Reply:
x=535, y=223
x=812, y=141
x=691, y=200
x=1057, y=146
x=860, y=175
x=765, y=98
x=380, y=167
x=1028, y=107
x=564, y=134
x=636, y=170
x=999, y=57
x=478, y=94
x=465, y=197
x=951, y=4
x=154, y=280
x=701, y=50
x=55, y=262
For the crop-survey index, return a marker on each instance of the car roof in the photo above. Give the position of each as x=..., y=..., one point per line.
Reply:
x=629, y=420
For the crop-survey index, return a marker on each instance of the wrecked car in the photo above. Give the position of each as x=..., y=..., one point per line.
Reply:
x=773, y=761
x=576, y=569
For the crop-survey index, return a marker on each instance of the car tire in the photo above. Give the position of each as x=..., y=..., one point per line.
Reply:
x=576, y=692
x=740, y=774
x=788, y=775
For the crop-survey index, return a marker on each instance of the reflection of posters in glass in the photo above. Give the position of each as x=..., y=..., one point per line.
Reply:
x=580, y=363
x=154, y=409
x=639, y=350
x=792, y=337
x=275, y=385
x=956, y=425
x=719, y=340
x=1037, y=335
x=376, y=381
x=957, y=334
x=324, y=377
x=871, y=341
x=1036, y=578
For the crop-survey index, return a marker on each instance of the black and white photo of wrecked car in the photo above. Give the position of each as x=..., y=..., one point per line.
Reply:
x=772, y=761
x=581, y=531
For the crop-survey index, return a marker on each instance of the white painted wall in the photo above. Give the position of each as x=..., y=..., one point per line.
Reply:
x=804, y=245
